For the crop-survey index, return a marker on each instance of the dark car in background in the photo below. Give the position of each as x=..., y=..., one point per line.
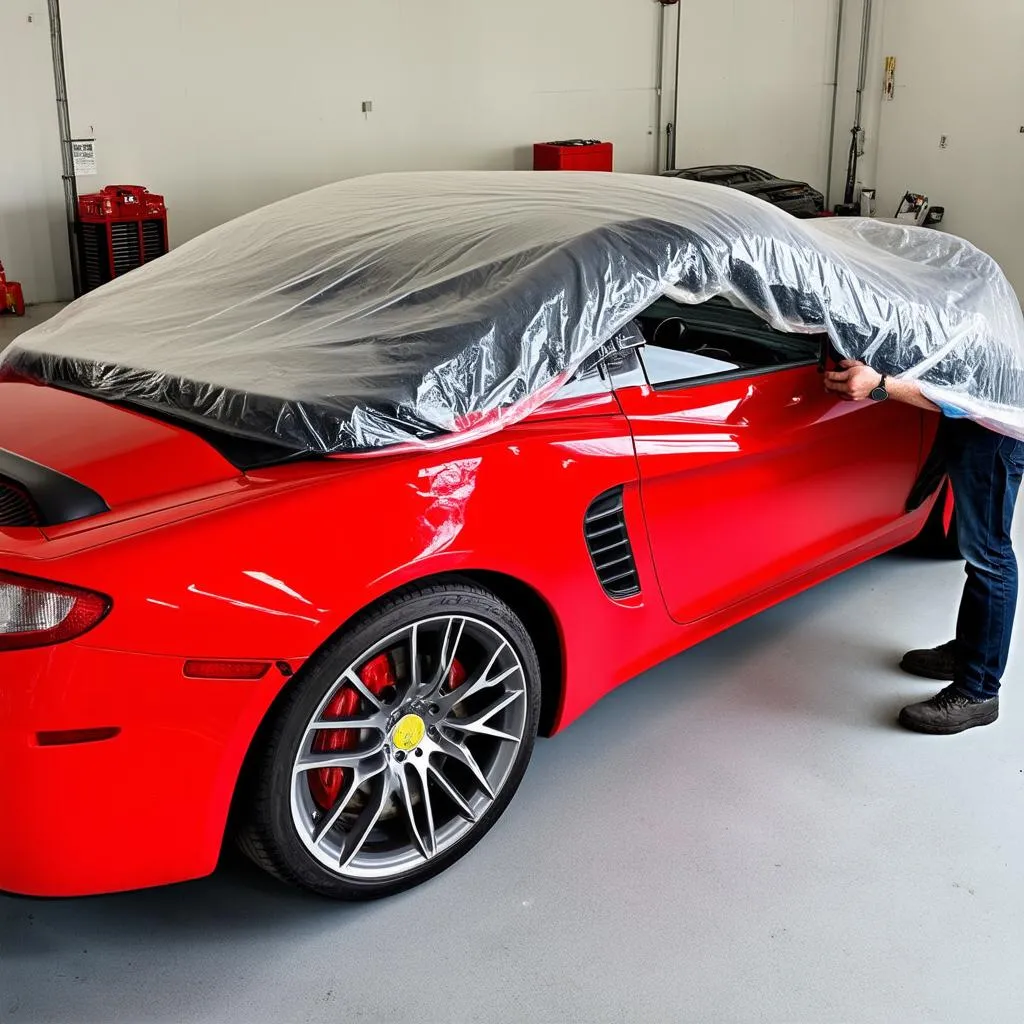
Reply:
x=795, y=197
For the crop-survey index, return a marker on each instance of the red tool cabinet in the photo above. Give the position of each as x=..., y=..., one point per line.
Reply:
x=572, y=155
x=119, y=228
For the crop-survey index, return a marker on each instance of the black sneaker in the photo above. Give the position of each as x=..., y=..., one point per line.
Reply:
x=949, y=711
x=937, y=663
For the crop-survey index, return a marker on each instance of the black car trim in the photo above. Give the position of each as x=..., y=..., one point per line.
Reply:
x=58, y=498
x=932, y=473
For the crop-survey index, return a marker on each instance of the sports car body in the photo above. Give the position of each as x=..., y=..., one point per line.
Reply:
x=328, y=617
x=795, y=197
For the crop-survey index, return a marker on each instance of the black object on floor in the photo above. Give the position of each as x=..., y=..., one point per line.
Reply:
x=949, y=711
x=936, y=663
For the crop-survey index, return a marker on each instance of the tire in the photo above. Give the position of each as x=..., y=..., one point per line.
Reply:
x=418, y=782
x=938, y=537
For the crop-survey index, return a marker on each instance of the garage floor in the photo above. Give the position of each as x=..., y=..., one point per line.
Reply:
x=739, y=835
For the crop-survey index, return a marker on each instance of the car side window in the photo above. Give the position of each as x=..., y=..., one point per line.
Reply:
x=694, y=344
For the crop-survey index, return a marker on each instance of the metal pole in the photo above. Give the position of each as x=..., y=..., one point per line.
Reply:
x=835, y=101
x=67, y=157
x=659, y=83
x=672, y=132
x=857, y=133
x=862, y=72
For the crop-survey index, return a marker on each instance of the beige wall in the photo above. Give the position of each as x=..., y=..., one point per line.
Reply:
x=960, y=73
x=33, y=232
x=224, y=106
x=755, y=84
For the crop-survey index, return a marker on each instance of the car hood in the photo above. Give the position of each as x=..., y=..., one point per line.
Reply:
x=121, y=455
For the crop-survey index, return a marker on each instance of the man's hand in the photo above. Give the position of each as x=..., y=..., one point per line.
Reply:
x=854, y=381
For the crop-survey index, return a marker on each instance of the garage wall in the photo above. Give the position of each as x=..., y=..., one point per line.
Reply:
x=224, y=106
x=755, y=84
x=960, y=73
x=33, y=232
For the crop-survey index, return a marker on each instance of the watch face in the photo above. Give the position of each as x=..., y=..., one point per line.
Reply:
x=879, y=394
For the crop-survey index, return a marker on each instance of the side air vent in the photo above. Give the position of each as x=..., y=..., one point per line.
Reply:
x=16, y=508
x=604, y=527
x=34, y=495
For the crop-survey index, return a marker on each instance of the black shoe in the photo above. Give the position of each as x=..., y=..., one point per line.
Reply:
x=938, y=663
x=949, y=711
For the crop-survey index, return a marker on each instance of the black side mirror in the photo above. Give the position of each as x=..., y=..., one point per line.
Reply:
x=617, y=349
x=629, y=338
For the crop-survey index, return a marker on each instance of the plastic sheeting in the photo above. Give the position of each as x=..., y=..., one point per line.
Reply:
x=426, y=308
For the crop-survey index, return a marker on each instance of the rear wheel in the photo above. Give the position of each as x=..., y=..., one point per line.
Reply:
x=939, y=539
x=401, y=744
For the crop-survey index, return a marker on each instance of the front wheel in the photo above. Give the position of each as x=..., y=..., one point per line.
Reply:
x=938, y=538
x=401, y=744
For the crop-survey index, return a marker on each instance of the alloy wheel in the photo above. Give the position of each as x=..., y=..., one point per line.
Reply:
x=409, y=747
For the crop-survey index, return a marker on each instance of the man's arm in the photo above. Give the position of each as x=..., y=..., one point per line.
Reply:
x=855, y=382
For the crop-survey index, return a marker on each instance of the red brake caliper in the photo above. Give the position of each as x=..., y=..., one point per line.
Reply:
x=325, y=783
x=457, y=676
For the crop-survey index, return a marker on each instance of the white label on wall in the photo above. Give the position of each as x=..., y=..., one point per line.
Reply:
x=84, y=153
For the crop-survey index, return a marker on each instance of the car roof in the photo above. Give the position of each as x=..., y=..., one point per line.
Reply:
x=422, y=308
x=713, y=172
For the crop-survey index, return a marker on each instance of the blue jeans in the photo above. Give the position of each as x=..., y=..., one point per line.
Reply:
x=985, y=470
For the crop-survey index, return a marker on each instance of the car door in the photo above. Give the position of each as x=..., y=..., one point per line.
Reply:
x=751, y=473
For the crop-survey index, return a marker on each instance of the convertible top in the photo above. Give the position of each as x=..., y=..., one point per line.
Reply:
x=428, y=308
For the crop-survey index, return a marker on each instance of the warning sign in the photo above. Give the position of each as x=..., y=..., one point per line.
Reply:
x=84, y=153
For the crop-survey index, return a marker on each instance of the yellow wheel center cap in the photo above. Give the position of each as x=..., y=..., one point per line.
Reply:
x=409, y=732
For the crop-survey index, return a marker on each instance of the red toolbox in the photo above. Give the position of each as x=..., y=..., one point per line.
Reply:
x=119, y=228
x=12, y=300
x=572, y=155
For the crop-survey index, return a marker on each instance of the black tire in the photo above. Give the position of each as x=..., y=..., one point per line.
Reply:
x=936, y=539
x=267, y=833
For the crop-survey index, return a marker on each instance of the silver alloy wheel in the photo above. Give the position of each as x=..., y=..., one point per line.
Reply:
x=423, y=759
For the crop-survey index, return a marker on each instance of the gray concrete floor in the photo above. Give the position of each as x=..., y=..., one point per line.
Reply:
x=740, y=835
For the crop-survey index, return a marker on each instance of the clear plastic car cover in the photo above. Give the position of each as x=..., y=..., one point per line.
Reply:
x=427, y=308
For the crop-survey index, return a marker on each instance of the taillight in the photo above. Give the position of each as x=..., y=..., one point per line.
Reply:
x=37, y=613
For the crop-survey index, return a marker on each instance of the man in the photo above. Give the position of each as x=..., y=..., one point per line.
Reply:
x=985, y=471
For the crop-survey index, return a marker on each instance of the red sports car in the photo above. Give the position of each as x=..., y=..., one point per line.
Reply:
x=342, y=658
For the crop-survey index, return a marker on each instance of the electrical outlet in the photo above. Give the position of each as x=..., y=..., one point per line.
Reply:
x=367, y=106
x=943, y=141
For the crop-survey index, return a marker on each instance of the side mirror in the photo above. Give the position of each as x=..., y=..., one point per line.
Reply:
x=630, y=337
x=617, y=351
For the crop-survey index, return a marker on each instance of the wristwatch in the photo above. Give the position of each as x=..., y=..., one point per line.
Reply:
x=879, y=394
